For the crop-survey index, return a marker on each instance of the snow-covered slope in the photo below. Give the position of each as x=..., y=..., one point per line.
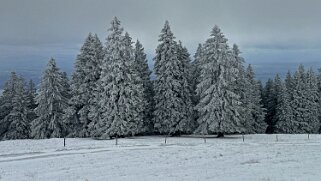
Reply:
x=260, y=157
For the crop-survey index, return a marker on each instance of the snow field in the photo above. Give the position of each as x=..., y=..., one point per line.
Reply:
x=260, y=157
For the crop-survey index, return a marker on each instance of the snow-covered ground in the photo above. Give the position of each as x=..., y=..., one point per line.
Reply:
x=260, y=157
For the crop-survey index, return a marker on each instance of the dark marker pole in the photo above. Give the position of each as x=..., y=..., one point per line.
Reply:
x=243, y=136
x=64, y=141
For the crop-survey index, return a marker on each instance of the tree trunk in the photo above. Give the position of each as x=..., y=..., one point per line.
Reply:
x=220, y=135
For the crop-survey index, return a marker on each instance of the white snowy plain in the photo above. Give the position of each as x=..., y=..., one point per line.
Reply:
x=259, y=157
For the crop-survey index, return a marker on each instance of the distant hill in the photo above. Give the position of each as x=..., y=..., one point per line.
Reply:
x=32, y=69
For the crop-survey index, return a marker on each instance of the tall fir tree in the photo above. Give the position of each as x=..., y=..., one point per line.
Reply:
x=319, y=91
x=16, y=123
x=31, y=100
x=312, y=101
x=189, y=124
x=269, y=102
x=141, y=66
x=261, y=89
x=196, y=71
x=219, y=103
x=6, y=98
x=240, y=87
x=301, y=103
x=255, y=110
x=51, y=103
x=83, y=86
x=121, y=104
x=171, y=112
x=289, y=83
x=195, y=76
x=284, y=120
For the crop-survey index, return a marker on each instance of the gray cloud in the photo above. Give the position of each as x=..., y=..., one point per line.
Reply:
x=247, y=22
x=52, y=28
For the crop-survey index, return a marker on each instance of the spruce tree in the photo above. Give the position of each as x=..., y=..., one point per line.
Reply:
x=195, y=74
x=219, y=103
x=312, y=101
x=196, y=71
x=319, y=91
x=141, y=67
x=255, y=110
x=189, y=124
x=284, y=120
x=240, y=88
x=16, y=123
x=300, y=102
x=121, y=106
x=83, y=84
x=51, y=103
x=269, y=101
x=171, y=112
x=31, y=101
x=289, y=83
x=6, y=104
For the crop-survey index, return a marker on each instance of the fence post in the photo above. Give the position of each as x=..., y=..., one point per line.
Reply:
x=243, y=136
x=277, y=139
x=64, y=141
x=165, y=139
x=308, y=136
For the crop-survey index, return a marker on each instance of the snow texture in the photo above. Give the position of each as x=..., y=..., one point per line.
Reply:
x=260, y=157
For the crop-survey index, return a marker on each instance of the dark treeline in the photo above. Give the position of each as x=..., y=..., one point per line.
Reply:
x=110, y=93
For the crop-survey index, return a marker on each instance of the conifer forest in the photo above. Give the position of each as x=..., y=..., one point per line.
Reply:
x=111, y=93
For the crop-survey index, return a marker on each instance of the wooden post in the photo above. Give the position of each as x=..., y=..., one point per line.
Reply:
x=243, y=136
x=276, y=137
x=308, y=136
x=64, y=141
x=165, y=139
x=204, y=139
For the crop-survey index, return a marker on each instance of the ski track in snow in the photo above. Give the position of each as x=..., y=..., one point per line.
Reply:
x=260, y=157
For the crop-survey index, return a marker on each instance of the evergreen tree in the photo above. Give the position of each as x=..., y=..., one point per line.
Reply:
x=319, y=91
x=269, y=101
x=255, y=110
x=171, y=112
x=195, y=74
x=31, y=93
x=6, y=104
x=196, y=71
x=302, y=103
x=261, y=89
x=51, y=102
x=16, y=123
x=141, y=67
x=121, y=104
x=135, y=95
x=240, y=87
x=83, y=84
x=312, y=101
x=289, y=83
x=188, y=124
x=219, y=103
x=284, y=120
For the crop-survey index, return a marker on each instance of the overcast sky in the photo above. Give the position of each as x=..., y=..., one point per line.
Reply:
x=267, y=31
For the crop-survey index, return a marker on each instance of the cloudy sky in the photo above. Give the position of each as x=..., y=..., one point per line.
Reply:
x=273, y=35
